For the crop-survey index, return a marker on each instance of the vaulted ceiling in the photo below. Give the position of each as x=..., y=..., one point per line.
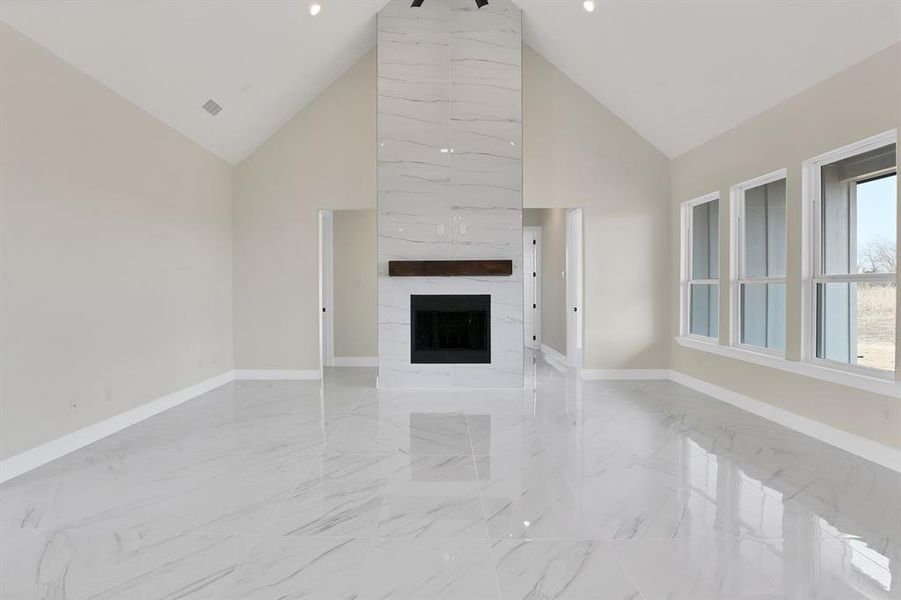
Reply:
x=678, y=71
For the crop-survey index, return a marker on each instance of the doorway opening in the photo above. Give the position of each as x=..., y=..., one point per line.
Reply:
x=348, y=297
x=552, y=285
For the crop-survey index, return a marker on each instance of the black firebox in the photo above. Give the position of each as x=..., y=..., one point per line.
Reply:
x=450, y=329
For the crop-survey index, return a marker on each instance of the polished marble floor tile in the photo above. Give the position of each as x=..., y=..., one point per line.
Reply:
x=432, y=515
x=76, y=564
x=361, y=433
x=693, y=569
x=341, y=495
x=433, y=497
x=568, y=570
x=565, y=489
x=449, y=569
x=300, y=567
x=107, y=490
x=241, y=502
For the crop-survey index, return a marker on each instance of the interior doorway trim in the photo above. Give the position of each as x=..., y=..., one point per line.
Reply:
x=532, y=233
x=574, y=287
x=326, y=288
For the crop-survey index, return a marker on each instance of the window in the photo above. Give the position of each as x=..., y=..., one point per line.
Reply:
x=758, y=262
x=700, y=254
x=854, y=281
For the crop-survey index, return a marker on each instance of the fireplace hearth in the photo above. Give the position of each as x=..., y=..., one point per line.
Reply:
x=450, y=329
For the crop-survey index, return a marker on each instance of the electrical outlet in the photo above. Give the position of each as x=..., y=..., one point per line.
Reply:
x=108, y=393
x=886, y=415
x=73, y=405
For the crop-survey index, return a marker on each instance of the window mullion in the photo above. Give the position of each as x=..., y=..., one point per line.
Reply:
x=767, y=280
x=856, y=278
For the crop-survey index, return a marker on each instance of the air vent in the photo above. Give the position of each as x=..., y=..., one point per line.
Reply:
x=211, y=107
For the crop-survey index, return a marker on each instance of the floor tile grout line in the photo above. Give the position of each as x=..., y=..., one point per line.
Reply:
x=265, y=522
x=625, y=571
x=369, y=554
x=367, y=563
x=475, y=466
x=275, y=512
x=343, y=422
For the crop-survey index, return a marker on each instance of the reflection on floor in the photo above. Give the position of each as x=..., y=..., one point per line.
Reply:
x=568, y=489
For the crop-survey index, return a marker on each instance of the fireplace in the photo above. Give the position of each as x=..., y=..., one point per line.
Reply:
x=450, y=329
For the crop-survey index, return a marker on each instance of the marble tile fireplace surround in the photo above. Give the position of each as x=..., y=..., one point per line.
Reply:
x=450, y=185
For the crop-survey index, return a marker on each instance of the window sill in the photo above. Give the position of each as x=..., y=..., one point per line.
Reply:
x=878, y=385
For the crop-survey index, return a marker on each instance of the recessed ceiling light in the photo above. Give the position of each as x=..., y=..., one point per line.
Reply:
x=315, y=8
x=588, y=5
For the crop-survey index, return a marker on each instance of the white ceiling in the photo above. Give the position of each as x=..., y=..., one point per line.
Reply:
x=262, y=60
x=681, y=72
x=678, y=71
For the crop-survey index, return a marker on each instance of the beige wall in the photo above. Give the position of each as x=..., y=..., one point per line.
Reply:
x=356, y=283
x=324, y=157
x=576, y=154
x=579, y=154
x=128, y=296
x=859, y=102
x=115, y=252
x=552, y=302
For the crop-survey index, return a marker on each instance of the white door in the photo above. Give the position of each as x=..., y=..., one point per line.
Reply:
x=530, y=291
x=574, y=287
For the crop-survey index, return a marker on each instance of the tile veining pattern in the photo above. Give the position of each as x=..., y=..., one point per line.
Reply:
x=450, y=174
x=580, y=491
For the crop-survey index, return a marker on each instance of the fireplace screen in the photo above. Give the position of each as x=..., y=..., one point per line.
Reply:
x=450, y=329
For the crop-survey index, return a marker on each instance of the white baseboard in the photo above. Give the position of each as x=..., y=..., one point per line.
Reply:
x=35, y=457
x=30, y=459
x=40, y=455
x=356, y=361
x=277, y=374
x=554, y=358
x=880, y=454
x=873, y=451
x=625, y=374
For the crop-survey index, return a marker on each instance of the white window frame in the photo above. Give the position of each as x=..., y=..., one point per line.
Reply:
x=737, y=276
x=812, y=274
x=686, y=276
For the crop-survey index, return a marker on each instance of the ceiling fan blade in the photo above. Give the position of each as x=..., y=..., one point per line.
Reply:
x=479, y=3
